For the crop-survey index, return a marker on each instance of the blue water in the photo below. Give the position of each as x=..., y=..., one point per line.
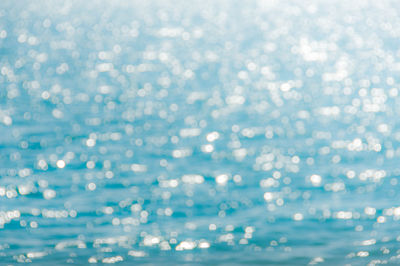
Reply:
x=199, y=132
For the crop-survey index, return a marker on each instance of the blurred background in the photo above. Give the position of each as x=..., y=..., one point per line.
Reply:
x=199, y=132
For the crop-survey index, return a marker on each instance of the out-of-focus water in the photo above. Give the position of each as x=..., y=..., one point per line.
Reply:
x=199, y=132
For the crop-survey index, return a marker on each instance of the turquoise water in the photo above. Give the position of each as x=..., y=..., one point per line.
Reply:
x=199, y=132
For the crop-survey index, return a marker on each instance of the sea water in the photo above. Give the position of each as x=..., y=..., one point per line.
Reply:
x=199, y=132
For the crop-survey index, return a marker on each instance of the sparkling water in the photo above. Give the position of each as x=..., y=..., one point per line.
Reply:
x=199, y=132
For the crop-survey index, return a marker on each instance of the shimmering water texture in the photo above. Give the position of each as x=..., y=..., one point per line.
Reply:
x=199, y=132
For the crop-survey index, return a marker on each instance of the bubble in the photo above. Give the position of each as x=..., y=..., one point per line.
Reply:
x=91, y=186
x=60, y=164
x=268, y=196
x=90, y=142
x=212, y=136
x=208, y=148
x=49, y=194
x=316, y=180
x=298, y=217
x=222, y=179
